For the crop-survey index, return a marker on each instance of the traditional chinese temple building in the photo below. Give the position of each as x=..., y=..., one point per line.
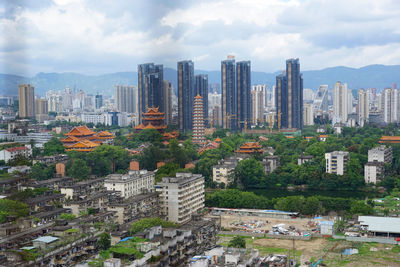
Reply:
x=152, y=119
x=250, y=148
x=81, y=138
x=389, y=140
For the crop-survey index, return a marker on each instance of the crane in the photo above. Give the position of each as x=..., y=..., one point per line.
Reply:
x=279, y=115
x=228, y=117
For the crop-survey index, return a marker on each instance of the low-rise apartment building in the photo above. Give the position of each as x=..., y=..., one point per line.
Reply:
x=10, y=153
x=336, y=162
x=270, y=163
x=374, y=172
x=181, y=196
x=131, y=184
x=381, y=154
x=223, y=171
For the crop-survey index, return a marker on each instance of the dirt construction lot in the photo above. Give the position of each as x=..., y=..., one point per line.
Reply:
x=370, y=254
x=228, y=221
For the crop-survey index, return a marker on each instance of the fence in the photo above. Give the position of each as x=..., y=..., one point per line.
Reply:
x=382, y=240
x=290, y=237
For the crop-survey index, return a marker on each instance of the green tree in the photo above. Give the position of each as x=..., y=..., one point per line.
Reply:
x=40, y=171
x=78, y=169
x=117, y=156
x=311, y=206
x=237, y=242
x=150, y=156
x=54, y=146
x=12, y=208
x=250, y=173
x=361, y=208
x=146, y=223
x=67, y=216
x=104, y=241
x=178, y=155
x=19, y=160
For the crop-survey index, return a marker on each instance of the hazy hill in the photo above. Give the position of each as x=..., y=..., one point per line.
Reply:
x=378, y=76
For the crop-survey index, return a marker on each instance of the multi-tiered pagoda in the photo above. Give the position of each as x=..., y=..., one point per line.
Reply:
x=198, y=129
x=152, y=119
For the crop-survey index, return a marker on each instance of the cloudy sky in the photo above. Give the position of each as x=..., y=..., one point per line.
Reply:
x=102, y=36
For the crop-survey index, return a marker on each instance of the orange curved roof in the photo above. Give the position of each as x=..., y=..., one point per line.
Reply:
x=140, y=126
x=389, y=139
x=70, y=139
x=218, y=139
x=153, y=111
x=198, y=96
x=80, y=131
x=104, y=134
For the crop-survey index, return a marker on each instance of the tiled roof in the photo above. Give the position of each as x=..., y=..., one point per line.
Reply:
x=81, y=131
x=14, y=149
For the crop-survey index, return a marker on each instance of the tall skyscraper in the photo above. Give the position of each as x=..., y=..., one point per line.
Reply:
x=257, y=105
x=41, y=106
x=201, y=88
x=281, y=100
x=321, y=99
x=168, y=91
x=150, y=87
x=243, y=88
x=340, y=102
x=308, y=114
x=125, y=98
x=98, y=101
x=363, y=107
x=229, y=94
x=26, y=98
x=390, y=105
x=185, y=94
x=198, y=121
x=268, y=97
x=289, y=96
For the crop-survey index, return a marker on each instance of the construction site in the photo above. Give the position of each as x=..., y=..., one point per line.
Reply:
x=300, y=239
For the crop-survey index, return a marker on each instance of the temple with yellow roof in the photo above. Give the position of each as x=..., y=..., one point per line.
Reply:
x=152, y=119
x=81, y=138
x=250, y=148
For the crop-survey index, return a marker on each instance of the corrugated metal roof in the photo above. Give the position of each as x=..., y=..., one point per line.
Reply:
x=381, y=224
x=46, y=239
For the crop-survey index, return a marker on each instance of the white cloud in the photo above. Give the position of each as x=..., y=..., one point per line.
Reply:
x=85, y=35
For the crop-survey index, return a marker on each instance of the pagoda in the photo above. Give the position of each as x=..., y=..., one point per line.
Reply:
x=250, y=148
x=152, y=119
x=198, y=128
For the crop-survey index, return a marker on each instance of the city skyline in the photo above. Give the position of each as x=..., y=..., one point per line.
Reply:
x=95, y=37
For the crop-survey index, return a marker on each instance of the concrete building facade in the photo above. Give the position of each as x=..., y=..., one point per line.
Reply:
x=181, y=196
x=131, y=184
x=336, y=162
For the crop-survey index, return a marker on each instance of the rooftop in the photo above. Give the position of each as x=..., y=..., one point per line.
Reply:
x=381, y=224
x=46, y=239
x=14, y=149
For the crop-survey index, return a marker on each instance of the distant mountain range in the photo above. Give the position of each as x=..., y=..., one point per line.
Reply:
x=372, y=76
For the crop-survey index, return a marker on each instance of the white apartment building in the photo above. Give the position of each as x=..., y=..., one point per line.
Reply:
x=363, y=107
x=181, y=196
x=336, y=162
x=380, y=154
x=390, y=105
x=223, y=172
x=131, y=184
x=341, y=102
x=257, y=106
x=308, y=114
x=373, y=172
x=10, y=153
